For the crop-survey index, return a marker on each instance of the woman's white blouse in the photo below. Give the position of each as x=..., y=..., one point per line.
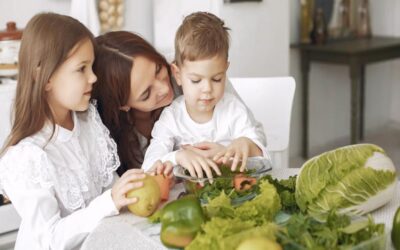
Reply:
x=57, y=186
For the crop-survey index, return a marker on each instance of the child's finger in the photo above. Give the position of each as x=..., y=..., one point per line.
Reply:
x=132, y=175
x=191, y=171
x=167, y=168
x=198, y=169
x=202, y=145
x=219, y=155
x=245, y=156
x=235, y=161
x=229, y=153
x=214, y=166
x=206, y=169
x=128, y=201
x=128, y=187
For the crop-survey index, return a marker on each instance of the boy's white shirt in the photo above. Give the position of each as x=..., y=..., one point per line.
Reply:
x=228, y=89
x=58, y=188
x=174, y=128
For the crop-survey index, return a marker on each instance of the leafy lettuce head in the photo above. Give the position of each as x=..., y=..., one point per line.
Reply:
x=354, y=179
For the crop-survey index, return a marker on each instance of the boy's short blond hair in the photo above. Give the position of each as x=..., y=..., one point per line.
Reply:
x=202, y=35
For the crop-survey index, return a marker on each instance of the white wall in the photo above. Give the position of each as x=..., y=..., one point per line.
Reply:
x=259, y=32
x=330, y=87
x=138, y=17
x=260, y=37
x=22, y=10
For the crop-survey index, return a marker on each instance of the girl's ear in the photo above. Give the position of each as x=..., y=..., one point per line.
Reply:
x=36, y=74
x=177, y=73
x=47, y=87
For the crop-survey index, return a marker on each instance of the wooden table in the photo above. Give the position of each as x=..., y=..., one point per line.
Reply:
x=356, y=53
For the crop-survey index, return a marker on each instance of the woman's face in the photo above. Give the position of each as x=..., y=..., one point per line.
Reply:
x=150, y=85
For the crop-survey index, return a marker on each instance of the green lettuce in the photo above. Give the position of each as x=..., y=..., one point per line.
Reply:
x=354, y=179
x=223, y=233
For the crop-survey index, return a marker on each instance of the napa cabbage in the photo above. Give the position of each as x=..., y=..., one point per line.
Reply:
x=355, y=179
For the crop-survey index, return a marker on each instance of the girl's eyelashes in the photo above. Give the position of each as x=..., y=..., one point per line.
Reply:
x=82, y=68
x=217, y=80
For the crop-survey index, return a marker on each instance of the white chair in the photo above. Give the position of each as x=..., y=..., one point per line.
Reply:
x=270, y=99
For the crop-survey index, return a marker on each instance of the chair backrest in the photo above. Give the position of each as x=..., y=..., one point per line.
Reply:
x=270, y=99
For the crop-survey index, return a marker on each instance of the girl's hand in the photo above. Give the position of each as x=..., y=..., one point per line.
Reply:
x=239, y=150
x=196, y=163
x=129, y=180
x=164, y=169
x=205, y=149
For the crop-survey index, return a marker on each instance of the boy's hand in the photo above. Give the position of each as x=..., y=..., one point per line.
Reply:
x=239, y=150
x=205, y=149
x=165, y=169
x=196, y=163
x=162, y=168
x=129, y=180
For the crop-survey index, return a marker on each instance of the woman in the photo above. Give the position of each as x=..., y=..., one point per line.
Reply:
x=133, y=84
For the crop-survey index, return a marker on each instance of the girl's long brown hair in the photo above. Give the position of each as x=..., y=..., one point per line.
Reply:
x=46, y=43
x=115, y=54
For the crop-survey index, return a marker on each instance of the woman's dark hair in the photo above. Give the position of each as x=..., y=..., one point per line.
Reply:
x=115, y=52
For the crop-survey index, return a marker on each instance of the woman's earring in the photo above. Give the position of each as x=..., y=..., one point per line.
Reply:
x=125, y=108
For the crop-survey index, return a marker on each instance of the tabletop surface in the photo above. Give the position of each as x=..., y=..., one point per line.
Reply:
x=353, y=46
x=127, y=231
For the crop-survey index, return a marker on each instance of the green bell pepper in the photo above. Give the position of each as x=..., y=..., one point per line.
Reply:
x=180, y=221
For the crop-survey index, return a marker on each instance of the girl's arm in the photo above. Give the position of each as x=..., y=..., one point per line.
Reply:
x=27, y=177
x=42, y=218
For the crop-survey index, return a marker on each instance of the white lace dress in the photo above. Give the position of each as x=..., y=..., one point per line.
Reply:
x=58, y=186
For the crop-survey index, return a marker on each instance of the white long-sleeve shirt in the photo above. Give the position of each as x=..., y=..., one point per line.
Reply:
x=174, y=128
x=57, y=187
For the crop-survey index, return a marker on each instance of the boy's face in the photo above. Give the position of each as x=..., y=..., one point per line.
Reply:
x=203, y=83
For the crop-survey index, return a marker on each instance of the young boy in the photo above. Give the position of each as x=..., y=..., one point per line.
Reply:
x=204, y=112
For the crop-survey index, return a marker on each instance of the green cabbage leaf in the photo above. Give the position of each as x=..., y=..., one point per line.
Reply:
x=354, y=179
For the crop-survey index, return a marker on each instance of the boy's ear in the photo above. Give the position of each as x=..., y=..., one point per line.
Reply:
x=227, y=65
x=176, y=73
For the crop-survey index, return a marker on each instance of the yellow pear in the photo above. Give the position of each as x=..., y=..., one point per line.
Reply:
x=149, y=196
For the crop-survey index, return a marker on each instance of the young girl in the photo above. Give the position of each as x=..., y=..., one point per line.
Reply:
x=59, y=161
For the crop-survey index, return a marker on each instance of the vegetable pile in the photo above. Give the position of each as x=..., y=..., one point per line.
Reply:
x=313, y=210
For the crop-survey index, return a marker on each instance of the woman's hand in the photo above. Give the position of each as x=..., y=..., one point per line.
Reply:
x=196, y=163
x=129, y=180
x=205, y=149
x=239, y=150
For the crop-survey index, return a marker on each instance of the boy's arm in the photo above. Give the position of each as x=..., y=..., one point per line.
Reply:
x=243, y=126
x=259, y=130
x=162, y=142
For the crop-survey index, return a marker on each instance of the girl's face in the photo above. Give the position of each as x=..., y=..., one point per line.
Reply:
x=150, y=86
x=70, y=86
